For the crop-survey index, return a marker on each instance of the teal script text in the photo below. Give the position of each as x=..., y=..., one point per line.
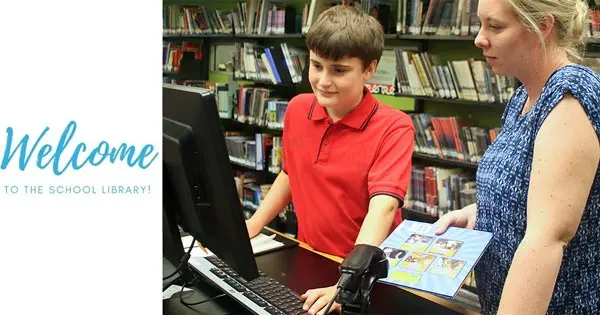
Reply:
x=21, y=152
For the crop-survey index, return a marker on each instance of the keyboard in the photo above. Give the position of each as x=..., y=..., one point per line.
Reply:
x=262, y=296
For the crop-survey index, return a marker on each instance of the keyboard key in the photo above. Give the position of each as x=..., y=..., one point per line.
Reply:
x=218, y=273
x=275, y=311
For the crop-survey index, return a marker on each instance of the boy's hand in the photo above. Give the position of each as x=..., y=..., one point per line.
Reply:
x=253, y=228
x=316, y=300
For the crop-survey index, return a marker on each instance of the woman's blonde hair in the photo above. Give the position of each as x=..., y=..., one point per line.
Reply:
x=570, y=22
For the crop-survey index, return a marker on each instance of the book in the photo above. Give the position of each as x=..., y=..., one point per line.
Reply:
x=261, y=243
x=419, y=259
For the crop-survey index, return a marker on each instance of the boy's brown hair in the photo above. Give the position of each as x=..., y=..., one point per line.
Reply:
x=343, y=31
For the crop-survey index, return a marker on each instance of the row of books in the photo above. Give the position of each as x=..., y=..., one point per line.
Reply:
x=174, y=52
x=436, y=190
x=267, y=17
x=192, y=19
x=592, y=62
x=380, y=9
x=593, y=31
x=417, y=17
x=451, y=137
x=247, y=17
x=438, y=17
x=423, y=73
x=260, y=151
x=277, y=64
x=256, y=106
x=442, y=137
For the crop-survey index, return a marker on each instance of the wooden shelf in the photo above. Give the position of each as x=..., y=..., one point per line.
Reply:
x=435, y=37
x=249, y=165
x=416, y=215
x=271, y=127
x=440, y=161
x=183, y=36
x=242, y=36
x=242, y=162
x=264, y=36
x=261, y=82
x=452, y=100
x=592, y=41
x=292, y=36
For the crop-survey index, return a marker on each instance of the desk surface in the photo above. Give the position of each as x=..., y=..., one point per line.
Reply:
x=301, y=268
x=438, y=300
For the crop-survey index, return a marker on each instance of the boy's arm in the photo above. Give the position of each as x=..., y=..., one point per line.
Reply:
x=379, y=219
x=276, y=199
x=388, y=181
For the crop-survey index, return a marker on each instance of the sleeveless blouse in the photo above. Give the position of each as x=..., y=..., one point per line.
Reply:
x=502, y=185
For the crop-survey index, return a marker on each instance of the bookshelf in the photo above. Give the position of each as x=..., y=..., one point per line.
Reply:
x=459, y=38
x=444, y=162
x=452, y=100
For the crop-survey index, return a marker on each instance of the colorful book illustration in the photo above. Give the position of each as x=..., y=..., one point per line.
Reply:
x=420, y=259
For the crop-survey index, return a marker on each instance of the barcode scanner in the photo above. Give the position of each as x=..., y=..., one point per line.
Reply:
x=358, y=274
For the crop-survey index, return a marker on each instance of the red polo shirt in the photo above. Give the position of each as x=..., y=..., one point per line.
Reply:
x=335, y=168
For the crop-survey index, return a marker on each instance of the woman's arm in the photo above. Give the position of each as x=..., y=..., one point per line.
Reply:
x=565, y=160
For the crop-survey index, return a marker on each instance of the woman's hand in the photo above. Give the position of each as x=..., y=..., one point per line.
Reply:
x=316, y=300
x=463, y=218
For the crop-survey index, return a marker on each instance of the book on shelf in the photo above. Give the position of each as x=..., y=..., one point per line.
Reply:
x=193, y=19
x=380, y=9
x=258, y=107
x=451, y=137
x=278, y=64
x=254, y=151
x=175, y=53
x=436, y=191
x=593, y=28
x=439, y=264
x=247, y=17
x=383, y=80
x=424, y=74
x=592, y=61
x=437, y=17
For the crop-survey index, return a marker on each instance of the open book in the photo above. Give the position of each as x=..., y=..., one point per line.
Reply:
x=260, y=243
x=263, y=242
x=438, y=264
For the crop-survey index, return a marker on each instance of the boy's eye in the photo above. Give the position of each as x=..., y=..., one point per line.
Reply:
x=339, y=70
x=316, y=66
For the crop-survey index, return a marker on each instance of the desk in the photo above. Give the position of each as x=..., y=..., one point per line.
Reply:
x=301, y=268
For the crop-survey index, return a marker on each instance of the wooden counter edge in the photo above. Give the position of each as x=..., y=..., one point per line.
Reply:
x=424, y=295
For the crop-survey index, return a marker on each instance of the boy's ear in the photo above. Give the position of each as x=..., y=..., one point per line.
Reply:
x=370, y=70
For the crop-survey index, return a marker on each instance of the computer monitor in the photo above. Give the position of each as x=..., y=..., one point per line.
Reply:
x=197, y=168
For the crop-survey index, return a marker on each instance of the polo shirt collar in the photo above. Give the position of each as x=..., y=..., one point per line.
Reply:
x=357, y=118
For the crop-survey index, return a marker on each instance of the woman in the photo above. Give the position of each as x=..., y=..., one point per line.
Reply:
x=538, y=188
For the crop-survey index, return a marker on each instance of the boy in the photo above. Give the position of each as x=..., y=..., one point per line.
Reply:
x=346, y=157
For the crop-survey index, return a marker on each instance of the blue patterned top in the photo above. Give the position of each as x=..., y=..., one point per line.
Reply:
x=502, y=185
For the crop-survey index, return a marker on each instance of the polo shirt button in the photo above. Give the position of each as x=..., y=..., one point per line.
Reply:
x=326, y=142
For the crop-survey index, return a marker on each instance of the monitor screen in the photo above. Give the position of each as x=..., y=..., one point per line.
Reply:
x=198, y=171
